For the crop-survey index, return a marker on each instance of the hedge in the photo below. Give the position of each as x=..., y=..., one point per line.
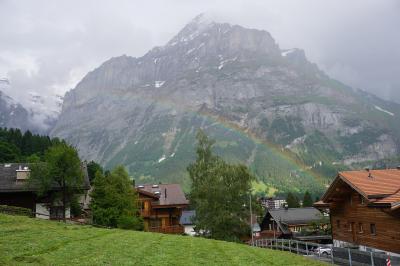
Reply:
x=15, y=210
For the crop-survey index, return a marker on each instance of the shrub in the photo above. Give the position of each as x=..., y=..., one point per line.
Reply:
x=130, y=222
x=15, y=210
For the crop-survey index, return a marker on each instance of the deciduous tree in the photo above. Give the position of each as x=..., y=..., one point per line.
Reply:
x=114, y=200
x=219, y=193
x=62, y=168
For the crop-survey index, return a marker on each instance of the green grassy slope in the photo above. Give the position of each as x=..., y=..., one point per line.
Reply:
x=31, y=241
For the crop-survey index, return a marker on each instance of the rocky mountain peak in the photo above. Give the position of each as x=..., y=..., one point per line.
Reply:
x=144, y=112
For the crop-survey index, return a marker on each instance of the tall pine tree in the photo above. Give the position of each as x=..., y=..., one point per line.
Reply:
x=292, y=200
x=307, y=200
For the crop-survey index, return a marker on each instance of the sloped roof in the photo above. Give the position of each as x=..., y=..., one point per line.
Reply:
x=187, y=217
x=374, y=182
x=380, y=187
x=294, y=216
x=8, y=175
x=169, y=194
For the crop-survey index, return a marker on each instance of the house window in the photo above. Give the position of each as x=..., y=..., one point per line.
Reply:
x=155, y=223
x=56, y=212
x=373, y=229
x=338, y=223
x=350, y=227
x=360, y=228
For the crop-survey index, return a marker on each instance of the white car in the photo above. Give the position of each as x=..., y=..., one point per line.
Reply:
x=326, y=251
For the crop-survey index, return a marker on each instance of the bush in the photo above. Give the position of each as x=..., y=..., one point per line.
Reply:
x=130, y=222
x=15, y=210
x=76, y=208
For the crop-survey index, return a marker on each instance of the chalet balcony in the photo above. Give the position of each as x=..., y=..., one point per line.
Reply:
x=173, y=229
x=145, y=213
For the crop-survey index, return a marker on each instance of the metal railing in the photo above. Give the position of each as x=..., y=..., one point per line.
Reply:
x=327, y=253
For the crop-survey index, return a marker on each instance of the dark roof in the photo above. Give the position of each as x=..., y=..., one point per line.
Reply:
x=8, y=176
x=187, y=217
x=293, y=216
x=169, y=194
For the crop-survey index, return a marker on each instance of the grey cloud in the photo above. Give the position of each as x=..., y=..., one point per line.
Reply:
x=48, y=46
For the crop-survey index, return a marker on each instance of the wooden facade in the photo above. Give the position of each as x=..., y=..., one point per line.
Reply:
x=359, y=219
x=159, y=214
x=14, y=191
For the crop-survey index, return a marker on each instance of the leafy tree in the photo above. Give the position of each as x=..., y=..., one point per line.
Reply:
x=219, y=193
x=114, y=201
x=93, y=168
x=307, y=200
x=292, y=200
x=62, y=167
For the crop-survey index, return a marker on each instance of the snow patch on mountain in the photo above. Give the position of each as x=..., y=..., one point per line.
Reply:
x=383, y=110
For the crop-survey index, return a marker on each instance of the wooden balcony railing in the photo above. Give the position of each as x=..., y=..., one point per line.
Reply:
x=173, y=229
x=145, y=213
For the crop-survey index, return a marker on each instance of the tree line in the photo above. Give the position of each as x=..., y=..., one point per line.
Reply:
x=16, y=146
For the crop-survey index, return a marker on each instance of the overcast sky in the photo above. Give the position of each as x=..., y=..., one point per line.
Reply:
x=46, y=47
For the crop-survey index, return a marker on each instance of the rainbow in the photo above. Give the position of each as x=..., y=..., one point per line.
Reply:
x=278, y=151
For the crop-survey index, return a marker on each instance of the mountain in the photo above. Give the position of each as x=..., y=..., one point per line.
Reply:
x=31, y=113
x=267, y=107
x=12, y=114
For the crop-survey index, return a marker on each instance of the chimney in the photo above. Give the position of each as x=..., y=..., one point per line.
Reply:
x=165, y=192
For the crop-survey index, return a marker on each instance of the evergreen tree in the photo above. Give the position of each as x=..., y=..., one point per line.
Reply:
x=62, y=166
x=219, y=194
x=8, y=152
x=114, y=201
x=292, y=200
x=307, y=200
x=93, y=168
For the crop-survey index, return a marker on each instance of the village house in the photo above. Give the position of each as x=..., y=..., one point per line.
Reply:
x=289, y=222
x=161, y=207
x=15, y=191
x=365, y=210
x=273, y=202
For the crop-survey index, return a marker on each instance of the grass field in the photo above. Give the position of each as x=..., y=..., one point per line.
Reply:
x=31, y=241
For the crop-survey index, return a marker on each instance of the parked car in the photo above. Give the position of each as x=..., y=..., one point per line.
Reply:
x=326, y=251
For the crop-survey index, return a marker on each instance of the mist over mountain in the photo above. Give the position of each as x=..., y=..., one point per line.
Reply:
x=34, y=116
x=267, y=107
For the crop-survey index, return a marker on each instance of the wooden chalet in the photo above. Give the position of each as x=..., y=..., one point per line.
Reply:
x=289, y=222
x=161, y=207
x=15, y=191
x=364, y=210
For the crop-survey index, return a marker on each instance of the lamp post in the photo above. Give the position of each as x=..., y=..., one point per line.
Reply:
x=251, y=222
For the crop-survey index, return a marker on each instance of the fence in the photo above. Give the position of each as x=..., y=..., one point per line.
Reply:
x=327, y=253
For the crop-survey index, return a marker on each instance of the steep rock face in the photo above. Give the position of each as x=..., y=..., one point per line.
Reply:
x=265, y=106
